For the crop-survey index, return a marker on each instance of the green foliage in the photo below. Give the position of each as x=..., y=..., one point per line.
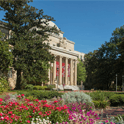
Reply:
x=72, y=97
x=31, y=98
x=29, y=86
x=90, y=66
x=31, y=54
x=108, y=61
x=119, y=118
x=99, y=95
x=101, y=104
x=81, y=72
x=6, y=57
x=4, y=85
x=41, y=94
x=117, y=99
x=39, y=87
x=51, y=86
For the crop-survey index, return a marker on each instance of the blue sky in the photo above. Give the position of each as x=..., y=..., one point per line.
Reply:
x=87, y=23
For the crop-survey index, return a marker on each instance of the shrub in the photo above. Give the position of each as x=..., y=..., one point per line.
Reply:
x=101, y=104
x=117, y=99
x=41, y=94
x=51, y=86
x=31, y=98
x=73, y=97
x=4, y=85
x=29, y=86
x=100, y=95
x=39, y=87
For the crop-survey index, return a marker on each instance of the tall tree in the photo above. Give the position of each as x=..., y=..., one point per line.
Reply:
x=91, y=66
x=31, y=54
x=81, y=72
x=6, y=57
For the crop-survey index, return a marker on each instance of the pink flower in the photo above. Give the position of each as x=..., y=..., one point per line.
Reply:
x=28, y=121
x=106, y=121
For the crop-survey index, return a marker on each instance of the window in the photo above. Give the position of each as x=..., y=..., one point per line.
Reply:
x=69, y=49
x=80, y=57
x=58, y=44
x=48, y=43
x=54, y=45
x=10, y=73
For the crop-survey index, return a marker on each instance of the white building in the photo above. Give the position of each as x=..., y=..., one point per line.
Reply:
x=64, y=68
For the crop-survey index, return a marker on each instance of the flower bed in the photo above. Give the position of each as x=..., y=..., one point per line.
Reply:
x=23, y=110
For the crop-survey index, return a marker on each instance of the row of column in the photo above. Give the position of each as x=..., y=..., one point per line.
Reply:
x=73, y=77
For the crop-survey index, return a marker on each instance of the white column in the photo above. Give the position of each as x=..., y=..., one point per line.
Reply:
x=66, y=71
x=75, y=70
x=71, y=75
x=49, y=75
x=60, y=70
x=54, y=71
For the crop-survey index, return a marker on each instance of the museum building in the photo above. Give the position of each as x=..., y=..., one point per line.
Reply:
x=64, y=68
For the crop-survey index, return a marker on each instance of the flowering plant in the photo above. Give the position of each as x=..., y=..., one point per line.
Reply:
x=15, y=112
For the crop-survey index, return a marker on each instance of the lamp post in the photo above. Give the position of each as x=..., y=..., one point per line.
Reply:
x=57, y=78
x=122, y=82
x=116, y=82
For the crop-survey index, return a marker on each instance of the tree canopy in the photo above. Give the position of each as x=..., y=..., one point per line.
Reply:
x=31, y=54
x=108, y=61
x=6, y=57
x=81, y=72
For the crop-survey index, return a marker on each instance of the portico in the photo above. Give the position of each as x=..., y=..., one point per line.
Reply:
x=64, y=68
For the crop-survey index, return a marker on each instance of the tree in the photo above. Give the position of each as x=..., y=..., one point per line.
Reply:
x=91, y=66
x=81, y=72
x=31, y=54
x=5, y=55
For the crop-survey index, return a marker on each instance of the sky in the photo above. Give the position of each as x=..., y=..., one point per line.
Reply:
x=87, y=23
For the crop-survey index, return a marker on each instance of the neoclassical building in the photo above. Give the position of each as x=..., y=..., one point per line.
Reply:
x=64, y=68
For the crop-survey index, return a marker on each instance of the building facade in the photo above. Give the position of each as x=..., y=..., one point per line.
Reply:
x=64, y=68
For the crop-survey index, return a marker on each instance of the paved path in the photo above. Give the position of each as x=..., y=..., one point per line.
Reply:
x=111, y=111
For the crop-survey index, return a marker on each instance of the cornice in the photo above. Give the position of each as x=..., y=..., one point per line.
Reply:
x=63, y=50
x=56, y=36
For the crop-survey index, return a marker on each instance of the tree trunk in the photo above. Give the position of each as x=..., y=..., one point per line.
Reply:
x=18, y=86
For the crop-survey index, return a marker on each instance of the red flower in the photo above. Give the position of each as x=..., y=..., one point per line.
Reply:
x=46, y=105
x=65, y=107
x=10, y=112
x=1, y=99
x=22, y=95
x=19, y=96
x=55, y=101
x=1, y=114
x=28, y=121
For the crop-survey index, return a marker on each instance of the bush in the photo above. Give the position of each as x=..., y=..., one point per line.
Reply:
x=100, y=96
x=41, y=94
x=39, y=87
x=31, y=98
x=4, y=85
x=73, y=97
x=117, y=99
x=101, y=104
x=29, y=86
x=51, y=86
